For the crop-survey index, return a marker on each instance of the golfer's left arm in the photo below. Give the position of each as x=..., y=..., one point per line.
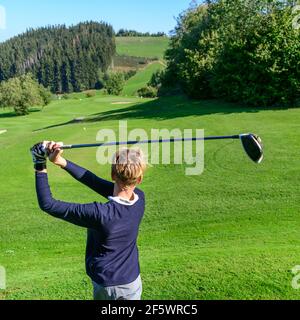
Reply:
x=101, y=186
x=85, y=215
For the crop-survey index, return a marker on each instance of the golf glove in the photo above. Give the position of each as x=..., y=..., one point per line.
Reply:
x=39, y=156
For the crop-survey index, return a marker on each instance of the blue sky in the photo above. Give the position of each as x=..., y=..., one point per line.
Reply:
x=142, y=15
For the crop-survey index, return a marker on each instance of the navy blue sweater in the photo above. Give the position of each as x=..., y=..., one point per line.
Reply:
x=111, y=252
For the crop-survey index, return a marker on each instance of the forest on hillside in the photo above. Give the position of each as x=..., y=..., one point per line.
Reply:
x=62, y=59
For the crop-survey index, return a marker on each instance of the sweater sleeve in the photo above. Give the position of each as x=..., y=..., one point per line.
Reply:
x=84, y=215
x=103, y=187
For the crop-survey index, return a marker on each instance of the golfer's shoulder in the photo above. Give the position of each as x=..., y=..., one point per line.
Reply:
x=100, y=206
x=105, y=210
x=140, y=193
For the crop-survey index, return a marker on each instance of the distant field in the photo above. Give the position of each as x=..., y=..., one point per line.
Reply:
x=141, y=79
x=136, y=53
x=149, y=47
x=126, y=63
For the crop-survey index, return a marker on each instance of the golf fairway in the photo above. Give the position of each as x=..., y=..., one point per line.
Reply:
x=230, y=233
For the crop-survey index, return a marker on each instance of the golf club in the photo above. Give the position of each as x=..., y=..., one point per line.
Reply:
x=252, y=144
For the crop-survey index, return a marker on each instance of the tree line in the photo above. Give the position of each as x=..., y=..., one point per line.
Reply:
x=237, y=50
x=134, y=33
x=62, y=59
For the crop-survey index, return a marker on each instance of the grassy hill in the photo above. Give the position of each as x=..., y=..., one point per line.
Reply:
x=149, y=47
x=141, y=79
x=231, y=233
x=133, y=53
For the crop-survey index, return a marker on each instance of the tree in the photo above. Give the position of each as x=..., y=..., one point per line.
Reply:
x=240, y=51
x=147, y=92
x=23, y=92
x=60, y=58
x=134, y=33
x=114, y=83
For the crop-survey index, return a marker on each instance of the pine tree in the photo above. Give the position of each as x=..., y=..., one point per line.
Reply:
x=63, y=59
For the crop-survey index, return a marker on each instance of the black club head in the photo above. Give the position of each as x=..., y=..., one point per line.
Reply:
x=253, y=147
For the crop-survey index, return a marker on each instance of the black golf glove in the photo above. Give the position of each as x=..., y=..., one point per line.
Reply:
x=39, y=156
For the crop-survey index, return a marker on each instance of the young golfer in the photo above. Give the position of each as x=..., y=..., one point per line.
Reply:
x=112, y=260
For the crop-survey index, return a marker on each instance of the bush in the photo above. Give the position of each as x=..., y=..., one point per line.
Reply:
x=237, y=50
x=147, y=92
x=115, y=83
x=46, y=95
x=162, y=84
x=90, y=94
x=66, y=96
x=22, y=93
x=156, y=79
x=129, y=74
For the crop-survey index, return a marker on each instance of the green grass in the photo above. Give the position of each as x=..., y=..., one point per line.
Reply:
x=141, y=79
x=231, y=233
x=146, y=47
x=149, y=47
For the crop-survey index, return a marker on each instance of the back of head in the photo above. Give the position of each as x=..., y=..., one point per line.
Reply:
x=128, y=167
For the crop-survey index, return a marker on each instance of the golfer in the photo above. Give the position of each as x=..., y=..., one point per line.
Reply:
x=112, y=260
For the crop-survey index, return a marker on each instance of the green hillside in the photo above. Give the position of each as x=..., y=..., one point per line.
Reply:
x=135, y=53
x=230, y=233
x=149, y=47
x=141, y=79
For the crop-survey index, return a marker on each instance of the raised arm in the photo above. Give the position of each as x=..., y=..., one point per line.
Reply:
x=84, y=215
x=101, y=186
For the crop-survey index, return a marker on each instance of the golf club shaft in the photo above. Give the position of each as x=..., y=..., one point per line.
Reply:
x=107, y=144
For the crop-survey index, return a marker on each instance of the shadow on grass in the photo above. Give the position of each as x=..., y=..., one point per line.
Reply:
x=165, y=108
x=12, y=114
x=74, y=121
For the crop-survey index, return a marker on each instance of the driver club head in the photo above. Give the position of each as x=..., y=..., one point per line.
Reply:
x=253, y=147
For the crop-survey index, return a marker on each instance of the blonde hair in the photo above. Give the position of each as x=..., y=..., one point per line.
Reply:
x=128, y=166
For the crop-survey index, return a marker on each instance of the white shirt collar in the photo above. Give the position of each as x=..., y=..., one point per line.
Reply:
x=125, y=202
